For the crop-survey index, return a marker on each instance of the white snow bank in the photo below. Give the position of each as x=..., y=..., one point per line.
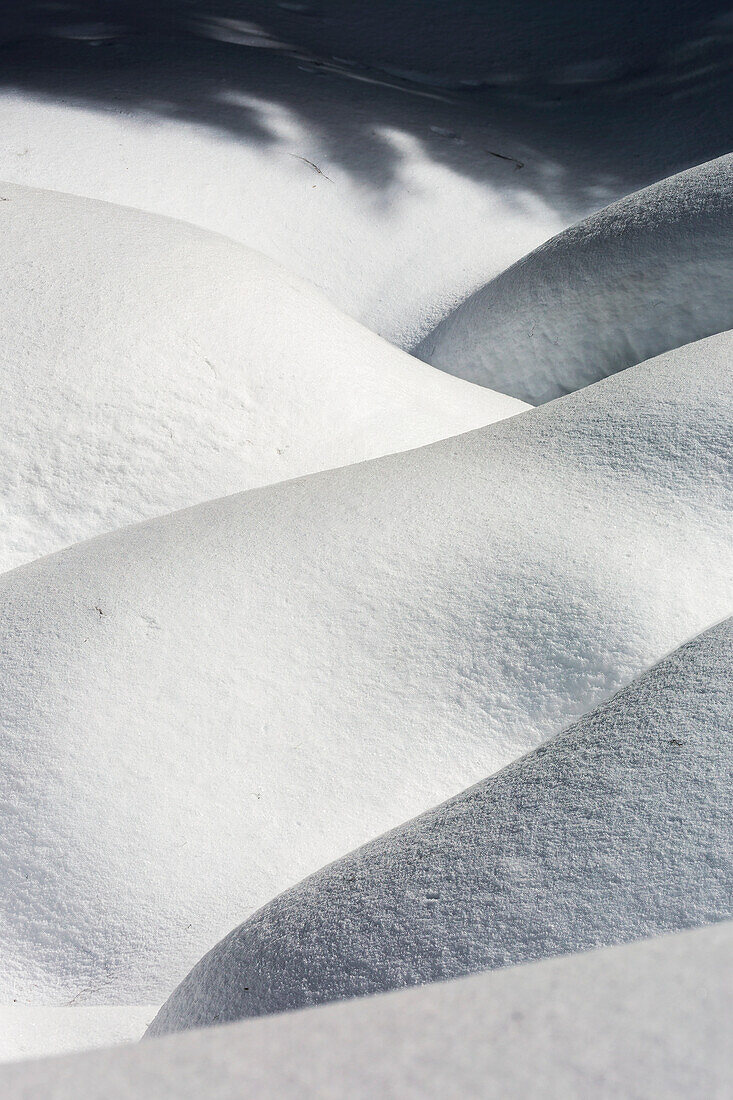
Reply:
x=147, y=365
x=646, y=1019
x=619, y=828
x=649, y=273
x=35, y=1031
x=201, y=710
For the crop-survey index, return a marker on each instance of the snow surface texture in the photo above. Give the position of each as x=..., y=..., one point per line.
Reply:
x=619, y=828
x=198, y=713
x=647, y=274
x=650, y=1019
x=35, y=1031
x=201, y=710
x=147, y=365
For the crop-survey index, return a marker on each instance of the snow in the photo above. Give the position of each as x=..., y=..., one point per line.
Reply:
x=201, y=710
x=147, y=365
x=647, y=274
x=647, y=1019
x=393, y=224
x=467, y=41
x=618, y=828
x=36, y=1031
x=417, y=210
x=313, y=608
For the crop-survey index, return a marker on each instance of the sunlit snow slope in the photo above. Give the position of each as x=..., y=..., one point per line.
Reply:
x=644, y=1019
x=619, y=828
x=365, y=459
x=147, y=365
x=202, y=709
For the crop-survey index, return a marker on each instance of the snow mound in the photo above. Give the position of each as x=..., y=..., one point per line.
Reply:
x=649, y=273
x=618, y=828
x=645, y=1019
x=148, y=365
x=203, y=709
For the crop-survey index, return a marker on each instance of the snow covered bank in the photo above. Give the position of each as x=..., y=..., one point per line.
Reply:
x=646, y=1019
x=619, y=828
x=649, y=273
x=203, y=709
x=147, y=365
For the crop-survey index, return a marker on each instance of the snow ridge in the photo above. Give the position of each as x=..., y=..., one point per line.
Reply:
x=617, y=829
x=383, y=634
x=148, y=365
x=407, y=678
x=649, y=273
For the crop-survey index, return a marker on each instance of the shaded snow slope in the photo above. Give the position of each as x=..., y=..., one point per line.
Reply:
x=466, y=41
x=147, y=365
x=35, y=1031
x=201, y=710
x=647, y=274
x=646, y=1019
x=619, y=828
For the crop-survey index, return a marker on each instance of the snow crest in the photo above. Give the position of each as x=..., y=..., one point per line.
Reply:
x=617, y=829
x=649, y=273
x=385, y=634
x=148, y=365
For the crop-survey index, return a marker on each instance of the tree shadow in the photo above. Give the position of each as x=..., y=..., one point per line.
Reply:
x=581, y=106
